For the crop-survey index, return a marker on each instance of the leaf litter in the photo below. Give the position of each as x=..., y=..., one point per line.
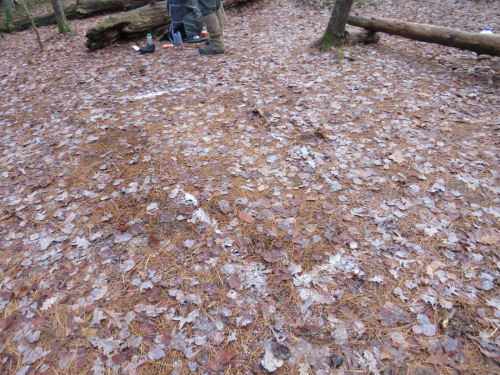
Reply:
x=271, y=209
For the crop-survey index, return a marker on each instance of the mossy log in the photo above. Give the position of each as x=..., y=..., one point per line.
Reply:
x=481, y=43
x=82, y=9
x=151, y=18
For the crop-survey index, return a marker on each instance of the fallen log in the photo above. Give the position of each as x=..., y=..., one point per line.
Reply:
x=82, y=9
x=361, y=36
x=136, y=23
x=476, y=42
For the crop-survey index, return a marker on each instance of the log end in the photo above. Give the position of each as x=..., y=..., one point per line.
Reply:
x=361, y=36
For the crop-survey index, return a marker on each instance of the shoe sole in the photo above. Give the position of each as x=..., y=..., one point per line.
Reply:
x=212, y=52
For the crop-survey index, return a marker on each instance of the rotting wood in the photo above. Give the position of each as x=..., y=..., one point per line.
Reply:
x=361, y=36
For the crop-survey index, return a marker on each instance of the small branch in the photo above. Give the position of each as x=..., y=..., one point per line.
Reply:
x=32, y=24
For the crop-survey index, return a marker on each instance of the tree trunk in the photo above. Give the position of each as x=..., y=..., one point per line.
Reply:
x=82, y=9
x=136, y=23
x=335, y=32
x=476, y=42
x=62, y=24
x=7, y=10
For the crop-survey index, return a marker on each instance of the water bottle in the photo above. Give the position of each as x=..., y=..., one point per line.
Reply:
x=149, y=39
x=486, y=30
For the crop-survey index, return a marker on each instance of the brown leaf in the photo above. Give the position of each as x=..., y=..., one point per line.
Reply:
x=119, y=358
x=392, y=314
x=81, y=363
x=218, y=362
x=87, y=332
x=135, y=230
x=347, y=217
x=5, y=323
x=271, y=256
x=234, y=282
x=283, y=274
x=246, y=217
x=153, y=241
x=486, y=240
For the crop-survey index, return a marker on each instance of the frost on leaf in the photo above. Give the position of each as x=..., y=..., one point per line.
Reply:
x=110, y=197
x=250, y=275
x=31, y=356
x=424, y=326
x=107, y=346
x=189, y=319
x=156, y=353
x=397, y=157
x=316, y=297
x=123, y=237
x=81, y=242
x=127, y=265
x=270, y=362
x=338, y=267
x=392, y=314
x=372, y=362
x=49, y=302
x=200, y=216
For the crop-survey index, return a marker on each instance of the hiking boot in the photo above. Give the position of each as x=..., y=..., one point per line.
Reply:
x=209, y=50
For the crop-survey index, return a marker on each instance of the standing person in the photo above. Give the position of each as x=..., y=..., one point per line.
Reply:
x=212, y=15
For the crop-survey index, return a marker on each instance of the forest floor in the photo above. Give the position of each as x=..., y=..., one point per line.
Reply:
x=272, y=209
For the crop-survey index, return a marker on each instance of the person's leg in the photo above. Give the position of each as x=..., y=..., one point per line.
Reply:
x=214, y=28
x=220, y=17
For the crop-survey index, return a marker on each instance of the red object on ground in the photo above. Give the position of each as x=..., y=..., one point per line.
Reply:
x=204, y=33
x=168, y=46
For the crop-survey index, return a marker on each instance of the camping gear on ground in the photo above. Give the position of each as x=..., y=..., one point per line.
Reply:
x=177, y=37
x=186, y=19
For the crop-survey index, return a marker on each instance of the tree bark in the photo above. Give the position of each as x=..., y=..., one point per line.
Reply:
x=7, y=10
x=476, y=42
x=82, y=9
x=136, y=23
x=335, y=34
x=62, y=24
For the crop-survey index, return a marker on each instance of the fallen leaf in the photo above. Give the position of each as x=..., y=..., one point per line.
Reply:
x=271, y=256
x=218, y=362
x=246, y=217
x=397, y=157
x=270, y=362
